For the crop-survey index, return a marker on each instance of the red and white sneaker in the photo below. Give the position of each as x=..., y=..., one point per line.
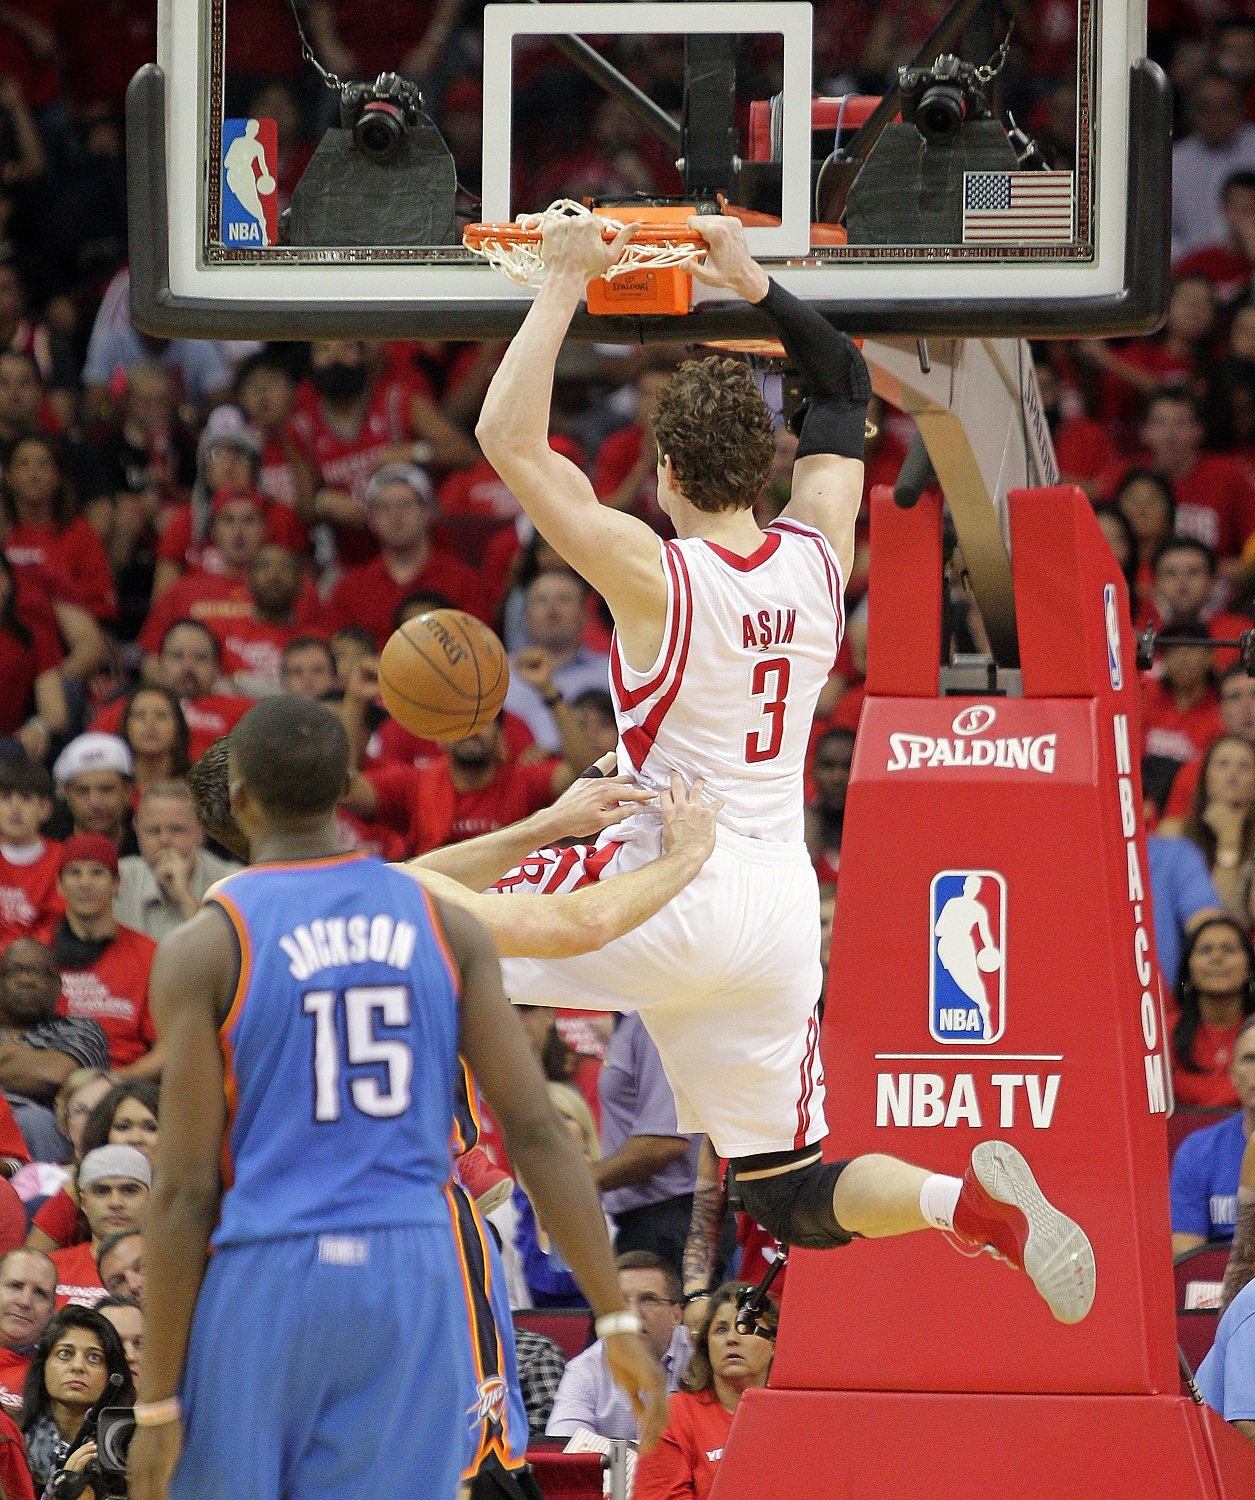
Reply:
x=1002, y=1210
x=486, y=1183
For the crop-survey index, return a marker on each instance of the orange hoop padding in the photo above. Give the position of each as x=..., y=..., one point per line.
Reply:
x=476, y=236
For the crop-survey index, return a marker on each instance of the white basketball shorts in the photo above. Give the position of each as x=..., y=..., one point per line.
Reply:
x=726, y=977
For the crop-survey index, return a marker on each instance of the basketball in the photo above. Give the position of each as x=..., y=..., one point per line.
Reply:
x=443, y=675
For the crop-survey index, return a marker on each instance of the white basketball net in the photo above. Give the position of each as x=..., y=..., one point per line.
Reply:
x=521, y=261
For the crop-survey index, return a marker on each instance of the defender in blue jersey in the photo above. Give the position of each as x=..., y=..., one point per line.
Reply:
x=313, y=1013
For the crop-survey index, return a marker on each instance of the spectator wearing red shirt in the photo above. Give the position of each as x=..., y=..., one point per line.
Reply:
x=473, y=789
x=1084, y=449
x=307, y=668
x=1227, y=265
x=351, y=423
x=1215, y=995
x=625, y=471
x=1185, y=585
x=189, y=665
x=830, y=771
x=253, y=645
x=1180, y=710
x=30, y=903
x=725, y=1364
x=95, y=774
x=104, y=967
x=45, y=533
x=113, y=1185
x=1237, y=714
x=1215, y=502
x=266, y=391
x=400, y=511
x=28, y=1290
x=32, y=696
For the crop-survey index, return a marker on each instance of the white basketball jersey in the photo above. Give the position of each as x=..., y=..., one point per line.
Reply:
x=748, y=645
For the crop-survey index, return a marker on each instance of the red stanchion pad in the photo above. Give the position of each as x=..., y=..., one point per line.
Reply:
x=901, y=1366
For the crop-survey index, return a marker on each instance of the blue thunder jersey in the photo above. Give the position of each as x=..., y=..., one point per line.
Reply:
x=340, y=1050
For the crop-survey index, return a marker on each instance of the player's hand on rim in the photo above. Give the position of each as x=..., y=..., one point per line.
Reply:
x=728, y=262
x=688, y=822
x=574, y=243
x=639, y=1376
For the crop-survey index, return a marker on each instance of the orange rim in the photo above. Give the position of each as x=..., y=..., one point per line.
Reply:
x=476, y=236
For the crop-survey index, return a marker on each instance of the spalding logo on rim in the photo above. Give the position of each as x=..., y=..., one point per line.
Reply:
x=1111, y=616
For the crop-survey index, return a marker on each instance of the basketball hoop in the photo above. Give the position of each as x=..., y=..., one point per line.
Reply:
x=662, y=244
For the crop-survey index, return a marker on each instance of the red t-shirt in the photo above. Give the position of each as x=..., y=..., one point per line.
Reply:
x=78, y=1279
x=477, y=491
x=1212, y=1088
x=208, y=718
x=682, y=1466
x=178, y=546
x=114, y=993
x=30, y=902
x=1173, y=733
x=369, y=595
x=422, y=801
x=1184, y=785
x=375, y=838
x=1227, y=269
x=1086, y=453
x=613, y=464
x=252, y=646
x=73, y=560
x=208, y=597
x=13, y=1368
x=15, y=1478
x=346, y=463
x=1215, y=502
x=393, y=745
x=58, y=1217
x=20, y=664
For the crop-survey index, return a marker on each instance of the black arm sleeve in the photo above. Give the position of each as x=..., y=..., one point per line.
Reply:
x=833, y=368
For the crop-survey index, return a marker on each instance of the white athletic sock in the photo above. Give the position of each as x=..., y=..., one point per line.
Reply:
x=938, y=1199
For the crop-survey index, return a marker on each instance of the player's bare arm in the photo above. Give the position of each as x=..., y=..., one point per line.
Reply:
x=189, y=993
x=582, y=921
x=616, y=553
x=827, y=485
x=589, y=805
x=547, y=1158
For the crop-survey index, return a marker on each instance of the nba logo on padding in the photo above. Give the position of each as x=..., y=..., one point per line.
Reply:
x=967, y=978
x=1111, y=618
x=250, y=193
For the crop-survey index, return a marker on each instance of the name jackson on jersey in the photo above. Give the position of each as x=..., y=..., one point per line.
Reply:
x=332, y=942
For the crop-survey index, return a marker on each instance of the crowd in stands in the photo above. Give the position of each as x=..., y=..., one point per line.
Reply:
x=189, y=525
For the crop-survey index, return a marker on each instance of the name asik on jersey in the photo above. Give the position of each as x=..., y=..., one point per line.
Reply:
x=250, y=191
x=769, y=627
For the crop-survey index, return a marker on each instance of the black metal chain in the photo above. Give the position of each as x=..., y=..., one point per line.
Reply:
x=307, y=52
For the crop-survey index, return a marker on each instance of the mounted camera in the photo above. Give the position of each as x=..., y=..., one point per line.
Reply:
x=938, y=100
x=380, y=113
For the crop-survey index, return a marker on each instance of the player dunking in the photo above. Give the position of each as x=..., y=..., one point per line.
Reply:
x=724, y=639
x=313, y=1013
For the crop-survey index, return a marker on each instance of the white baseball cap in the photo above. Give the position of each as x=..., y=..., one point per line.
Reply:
x=93, y=752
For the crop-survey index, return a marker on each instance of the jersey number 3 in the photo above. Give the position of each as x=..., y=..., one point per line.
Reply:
x=362, y=1049
x=770, y=682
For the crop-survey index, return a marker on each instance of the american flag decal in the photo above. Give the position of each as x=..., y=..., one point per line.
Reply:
x=1005, y=208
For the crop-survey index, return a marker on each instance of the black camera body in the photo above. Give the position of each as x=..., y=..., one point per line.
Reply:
x=939, y=100
x=379, y=114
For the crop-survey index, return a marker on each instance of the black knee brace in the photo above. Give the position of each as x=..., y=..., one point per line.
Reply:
x=795, y=1206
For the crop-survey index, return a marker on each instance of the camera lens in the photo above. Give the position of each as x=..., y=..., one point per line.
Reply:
x=378, y=133
x=940, y=113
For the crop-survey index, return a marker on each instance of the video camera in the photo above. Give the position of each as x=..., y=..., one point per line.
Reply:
x=111, y=1428
x=938, y=100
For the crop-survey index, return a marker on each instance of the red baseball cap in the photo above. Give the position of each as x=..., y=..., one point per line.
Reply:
x=90, y=846
x=225, y=497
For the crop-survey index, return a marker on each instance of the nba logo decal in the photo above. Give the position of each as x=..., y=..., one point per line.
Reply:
x=1112, y=618
x=967, y=979
x=250, y=194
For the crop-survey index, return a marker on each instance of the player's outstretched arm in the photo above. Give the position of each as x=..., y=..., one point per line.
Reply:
x=827, y=484
x=189, y=991
x=581, y=921
x=547, y=1158
x=617, y=553
x=587, y=806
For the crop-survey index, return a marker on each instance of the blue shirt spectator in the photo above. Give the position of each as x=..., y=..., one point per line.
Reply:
x=199, y=362
x=554, y=618
x=1226, y=1378
x=1180, y=888
x=648, y=1167
x=1204, y=1182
